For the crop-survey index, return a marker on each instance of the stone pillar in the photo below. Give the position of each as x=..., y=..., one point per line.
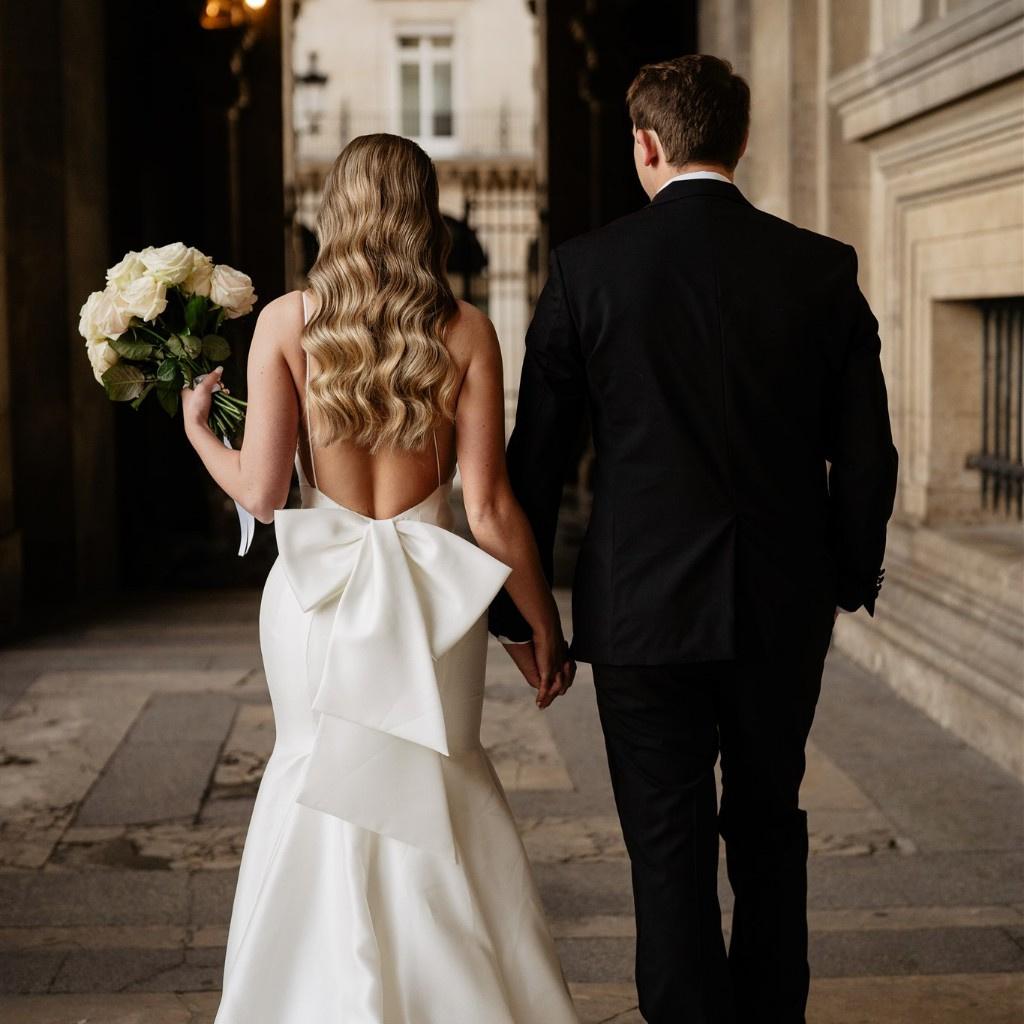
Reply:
x=768, y=164
x=34, y=264
x=10, y=538
x=797, y=164
x=844, y=195
x=88, y=254
x=782, y=170
x=723, y=30
x=57, y=530
x=265, y=232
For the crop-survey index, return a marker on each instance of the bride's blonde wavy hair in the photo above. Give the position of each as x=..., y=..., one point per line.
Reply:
x=385, y=378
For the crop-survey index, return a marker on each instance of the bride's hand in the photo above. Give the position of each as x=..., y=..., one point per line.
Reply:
x=196, y=400
x=555, y=670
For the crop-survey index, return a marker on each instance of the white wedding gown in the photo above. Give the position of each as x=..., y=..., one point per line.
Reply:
x=383, y=879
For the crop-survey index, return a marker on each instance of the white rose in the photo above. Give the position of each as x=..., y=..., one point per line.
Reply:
x=145, y=297
x=198, y=281
x=168, y=263
x=232, y=289
x=122, y=274
x=103, y=316
x=102, y=357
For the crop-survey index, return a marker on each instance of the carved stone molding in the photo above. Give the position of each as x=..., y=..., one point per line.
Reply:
x=944, y=60
x=947, y=226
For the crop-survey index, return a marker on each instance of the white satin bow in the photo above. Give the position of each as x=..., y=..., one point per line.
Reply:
x=387, y=598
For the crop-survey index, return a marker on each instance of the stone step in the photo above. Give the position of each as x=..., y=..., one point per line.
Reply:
x=986, y=560
x=947, y=638
x=957, y=621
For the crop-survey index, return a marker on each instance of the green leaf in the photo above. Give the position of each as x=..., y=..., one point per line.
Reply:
x=129, y=347
x=193, y=344
x=169, y=398
x=175, y=346
x=124, y=382
x=169, y=372
x=145, y=391
x=216, y=348
x=195, y=310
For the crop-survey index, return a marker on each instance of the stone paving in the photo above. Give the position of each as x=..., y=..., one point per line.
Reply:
x=131, y=748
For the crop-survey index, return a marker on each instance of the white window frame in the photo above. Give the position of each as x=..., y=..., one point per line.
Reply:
x=435, y=145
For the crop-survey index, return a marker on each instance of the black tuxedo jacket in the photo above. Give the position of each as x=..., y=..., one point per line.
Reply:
x=744, y=469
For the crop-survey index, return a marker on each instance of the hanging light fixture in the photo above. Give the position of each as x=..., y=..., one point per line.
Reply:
x=310, y=86
x=220, y=14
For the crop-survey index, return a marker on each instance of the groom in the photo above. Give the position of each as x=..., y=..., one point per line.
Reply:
x=743, y=479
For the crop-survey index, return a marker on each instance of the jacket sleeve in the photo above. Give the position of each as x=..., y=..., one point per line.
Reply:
x=862, y=478
x=552, y=395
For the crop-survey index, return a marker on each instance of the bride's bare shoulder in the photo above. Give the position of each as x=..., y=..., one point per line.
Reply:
x=279, y=325
x=471, y=334
x=284, y=310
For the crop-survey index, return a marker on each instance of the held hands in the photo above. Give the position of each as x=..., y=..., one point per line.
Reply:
x=545, y=665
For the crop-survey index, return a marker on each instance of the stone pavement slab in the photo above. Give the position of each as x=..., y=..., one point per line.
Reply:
x=931, y=999
x=162, y=769
x=169, y=1008
x=933, y=787
x=63, y=898
x=916, y=872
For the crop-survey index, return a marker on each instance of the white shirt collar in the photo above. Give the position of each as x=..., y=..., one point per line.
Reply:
x=695, y=175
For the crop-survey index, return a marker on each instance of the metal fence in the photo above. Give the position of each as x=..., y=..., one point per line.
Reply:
x=502, y=132
x=1000, y=459
x=502, y=213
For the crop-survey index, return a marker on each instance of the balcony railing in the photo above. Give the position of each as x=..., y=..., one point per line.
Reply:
x=1000, y=459
x=502, y=132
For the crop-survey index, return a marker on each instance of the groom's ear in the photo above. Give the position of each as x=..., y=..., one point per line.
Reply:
x=648, y=142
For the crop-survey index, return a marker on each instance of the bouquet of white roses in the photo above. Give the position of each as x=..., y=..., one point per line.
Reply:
x=156, y=327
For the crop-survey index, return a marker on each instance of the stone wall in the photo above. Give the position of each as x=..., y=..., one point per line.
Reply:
x=90, y=166
x=898, y=126
x=56, y=492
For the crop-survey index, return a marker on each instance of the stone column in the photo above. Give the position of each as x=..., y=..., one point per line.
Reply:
x=781, y=170
x=57, y=529
x=844, y=194
x=10, y=539
x=34, y=264
x=88, y=254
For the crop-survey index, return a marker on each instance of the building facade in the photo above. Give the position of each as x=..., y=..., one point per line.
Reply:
x=898, y=126
x=460, y=79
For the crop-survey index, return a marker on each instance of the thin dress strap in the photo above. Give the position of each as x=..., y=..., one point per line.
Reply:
x=437, y=457
x=305, y=400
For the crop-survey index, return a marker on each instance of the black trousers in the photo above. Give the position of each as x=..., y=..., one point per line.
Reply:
x=664, y=729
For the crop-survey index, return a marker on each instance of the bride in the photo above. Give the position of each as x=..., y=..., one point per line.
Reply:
x=383, y=880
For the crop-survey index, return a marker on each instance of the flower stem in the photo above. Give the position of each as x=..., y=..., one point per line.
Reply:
x=143, y=327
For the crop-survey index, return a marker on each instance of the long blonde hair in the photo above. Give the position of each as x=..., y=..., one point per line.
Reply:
x=385, y=378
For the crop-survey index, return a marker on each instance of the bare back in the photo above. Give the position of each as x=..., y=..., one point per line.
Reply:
x=378, y=485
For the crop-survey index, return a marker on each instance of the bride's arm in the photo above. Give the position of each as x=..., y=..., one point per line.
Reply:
x=495, y=517
x=259, y=475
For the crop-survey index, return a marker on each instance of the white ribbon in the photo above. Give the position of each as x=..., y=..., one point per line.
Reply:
x=388, y=599
x=246, y=521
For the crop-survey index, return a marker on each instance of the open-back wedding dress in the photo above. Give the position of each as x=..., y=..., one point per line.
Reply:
x=383, y=879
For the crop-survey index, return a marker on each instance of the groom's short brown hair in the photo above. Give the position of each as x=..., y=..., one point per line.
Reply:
x=698, y=106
